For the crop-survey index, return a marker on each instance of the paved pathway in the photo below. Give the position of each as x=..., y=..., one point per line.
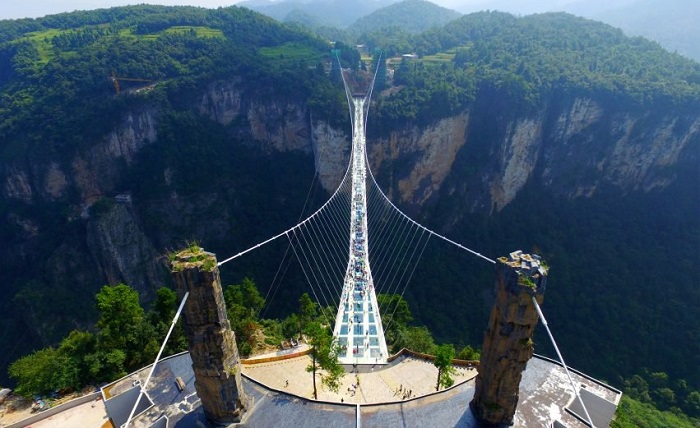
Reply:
x=383, y=384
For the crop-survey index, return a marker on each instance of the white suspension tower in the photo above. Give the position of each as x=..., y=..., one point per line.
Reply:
x=358, y=325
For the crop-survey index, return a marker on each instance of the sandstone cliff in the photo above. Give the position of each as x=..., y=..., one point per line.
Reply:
x=572, y=147
x=81, y=191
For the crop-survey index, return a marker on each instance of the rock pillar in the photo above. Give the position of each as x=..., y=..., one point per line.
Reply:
x=212, y=343
x=508, y=344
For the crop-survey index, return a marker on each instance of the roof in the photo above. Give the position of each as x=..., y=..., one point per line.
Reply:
x=545, y=396
x=119, y=407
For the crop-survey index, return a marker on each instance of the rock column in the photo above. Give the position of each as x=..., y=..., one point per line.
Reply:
x=212, y=343
x=508, y=344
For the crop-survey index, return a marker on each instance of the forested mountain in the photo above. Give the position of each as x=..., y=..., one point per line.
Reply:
x=126, y=132
x=671, y=23
x=329, y=13
x=412, y=16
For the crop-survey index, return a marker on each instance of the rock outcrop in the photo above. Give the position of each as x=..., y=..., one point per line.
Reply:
x=122, y=250
x=211, y=342
x=430, y=151
x=508, y=340
x=331, y=154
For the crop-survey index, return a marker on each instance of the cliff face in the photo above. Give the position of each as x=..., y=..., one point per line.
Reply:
x=72, y=218
x=431, y=153
x=122, y=251
x=281, y=126
x=572, y=147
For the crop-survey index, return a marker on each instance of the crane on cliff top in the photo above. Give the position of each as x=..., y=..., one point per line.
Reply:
x=116, y=79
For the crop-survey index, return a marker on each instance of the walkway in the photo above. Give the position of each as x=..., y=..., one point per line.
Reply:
x=384, y=383
x=358, y=325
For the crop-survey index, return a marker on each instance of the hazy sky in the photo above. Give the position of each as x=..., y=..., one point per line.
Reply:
x=12, y=9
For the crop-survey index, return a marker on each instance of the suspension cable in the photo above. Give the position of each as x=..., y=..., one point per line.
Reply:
x=291, y=229
x=153, y=367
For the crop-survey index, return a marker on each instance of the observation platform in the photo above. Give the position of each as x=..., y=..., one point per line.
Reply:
x=546, y=397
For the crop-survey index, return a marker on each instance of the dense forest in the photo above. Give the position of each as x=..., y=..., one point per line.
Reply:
x=623, y=294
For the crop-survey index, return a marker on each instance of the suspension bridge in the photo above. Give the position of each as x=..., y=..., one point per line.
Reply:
x=359, y=227
x=338, y=269
x=356, y=228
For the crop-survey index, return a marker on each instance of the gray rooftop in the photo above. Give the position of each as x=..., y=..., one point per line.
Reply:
x=545, y=398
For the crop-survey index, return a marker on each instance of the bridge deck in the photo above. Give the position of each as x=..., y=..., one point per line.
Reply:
x=358, y=324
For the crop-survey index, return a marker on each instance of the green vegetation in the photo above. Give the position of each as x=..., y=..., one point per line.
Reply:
x=243, y=306
x=526, y=281
x=635, y=414
x=525, y=60
x=201, y=32
x=444, y=354
x=127, y=338
x=192, y=255
x=58, y=100
x=324, y=351
x=297, y=52
x=661, y=392
x=85, y=358
x=468, y=353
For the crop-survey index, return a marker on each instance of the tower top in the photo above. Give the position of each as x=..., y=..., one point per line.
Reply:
x=530, y=269
x=191, y=257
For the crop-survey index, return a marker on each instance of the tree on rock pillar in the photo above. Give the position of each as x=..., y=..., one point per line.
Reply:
x=508, y=344
x=212, y=343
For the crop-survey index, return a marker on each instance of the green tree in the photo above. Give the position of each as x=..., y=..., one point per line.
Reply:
x=77, y=347
x=120, y=313
x=244, y=300
x=396, y=315
x=394, y=309
x=243, y=306
x=162, y=314
x=444, y=354
x=165, y=304
x=633, y=414
x=41, y=372
x=417, y=339
x=469, y=353
x=324, y=352
x=308, y=311
x=106, y=364
x=637, y=388
x=664, y=398
x=290, y=326
x=123, y=326
x=692, y=404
